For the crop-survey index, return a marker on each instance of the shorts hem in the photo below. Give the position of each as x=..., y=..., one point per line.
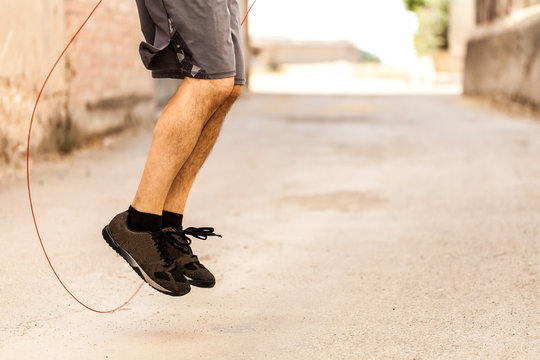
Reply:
x=180, y=75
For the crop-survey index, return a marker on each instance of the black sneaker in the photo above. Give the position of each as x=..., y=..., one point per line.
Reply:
x=179, y=249
x=146, y=252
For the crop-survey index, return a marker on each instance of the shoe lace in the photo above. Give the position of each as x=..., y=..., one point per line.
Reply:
x=180, y=240
x=160, y=239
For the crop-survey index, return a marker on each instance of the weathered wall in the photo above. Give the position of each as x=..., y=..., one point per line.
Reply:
x=100, y=86
x=489, y=10
x=503, y=59
x=30, y=31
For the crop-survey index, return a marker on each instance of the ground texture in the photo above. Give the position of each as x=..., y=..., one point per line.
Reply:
x=356, y=227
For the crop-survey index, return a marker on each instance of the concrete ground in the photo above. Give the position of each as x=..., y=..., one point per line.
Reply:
x=356, y=227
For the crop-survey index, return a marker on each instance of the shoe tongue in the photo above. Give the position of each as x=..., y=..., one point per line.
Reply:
x=171, y=228
x=174, y=232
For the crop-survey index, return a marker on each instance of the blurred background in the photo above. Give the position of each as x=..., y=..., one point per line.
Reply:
x=486, y=48
x=376, y=185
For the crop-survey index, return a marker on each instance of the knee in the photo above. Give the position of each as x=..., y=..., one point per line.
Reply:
x=214, y=91
x=220, y=89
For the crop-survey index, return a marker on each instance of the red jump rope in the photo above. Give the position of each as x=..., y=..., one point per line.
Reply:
x=28, y=171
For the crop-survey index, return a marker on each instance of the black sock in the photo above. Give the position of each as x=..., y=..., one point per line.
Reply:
x=172, y=219
x=140, y=221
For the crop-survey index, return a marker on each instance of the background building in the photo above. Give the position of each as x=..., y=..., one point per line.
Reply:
x=462, y=23
x=503, y=52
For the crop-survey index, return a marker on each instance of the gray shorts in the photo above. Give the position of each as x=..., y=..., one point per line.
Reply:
x=194, y=38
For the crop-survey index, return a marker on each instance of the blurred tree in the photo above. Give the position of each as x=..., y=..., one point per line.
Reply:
x=432, y=24
x=368, y=57
x=412, y=5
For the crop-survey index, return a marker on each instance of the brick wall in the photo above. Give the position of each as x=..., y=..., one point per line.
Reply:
x=100, y=86
x=108, y=86
x=489, y=10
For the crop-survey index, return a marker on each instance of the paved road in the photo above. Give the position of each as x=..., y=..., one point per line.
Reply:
x=385, y=227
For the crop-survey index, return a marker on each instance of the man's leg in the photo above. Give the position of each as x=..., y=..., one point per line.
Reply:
x=179, y=191
x=175, y=136
x=135, y=235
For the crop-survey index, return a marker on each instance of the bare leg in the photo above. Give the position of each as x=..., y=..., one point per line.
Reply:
x=175, y=135
x=179, y=191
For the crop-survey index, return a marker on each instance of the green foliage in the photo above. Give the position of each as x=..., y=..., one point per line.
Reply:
x=432, y=24
x=368, y=57
x=413, y=5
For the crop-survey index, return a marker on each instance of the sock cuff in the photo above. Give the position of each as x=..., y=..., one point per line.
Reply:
x=172, y=219
x=141, y=221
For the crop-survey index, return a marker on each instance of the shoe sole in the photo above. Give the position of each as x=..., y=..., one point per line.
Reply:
x=126, y=256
